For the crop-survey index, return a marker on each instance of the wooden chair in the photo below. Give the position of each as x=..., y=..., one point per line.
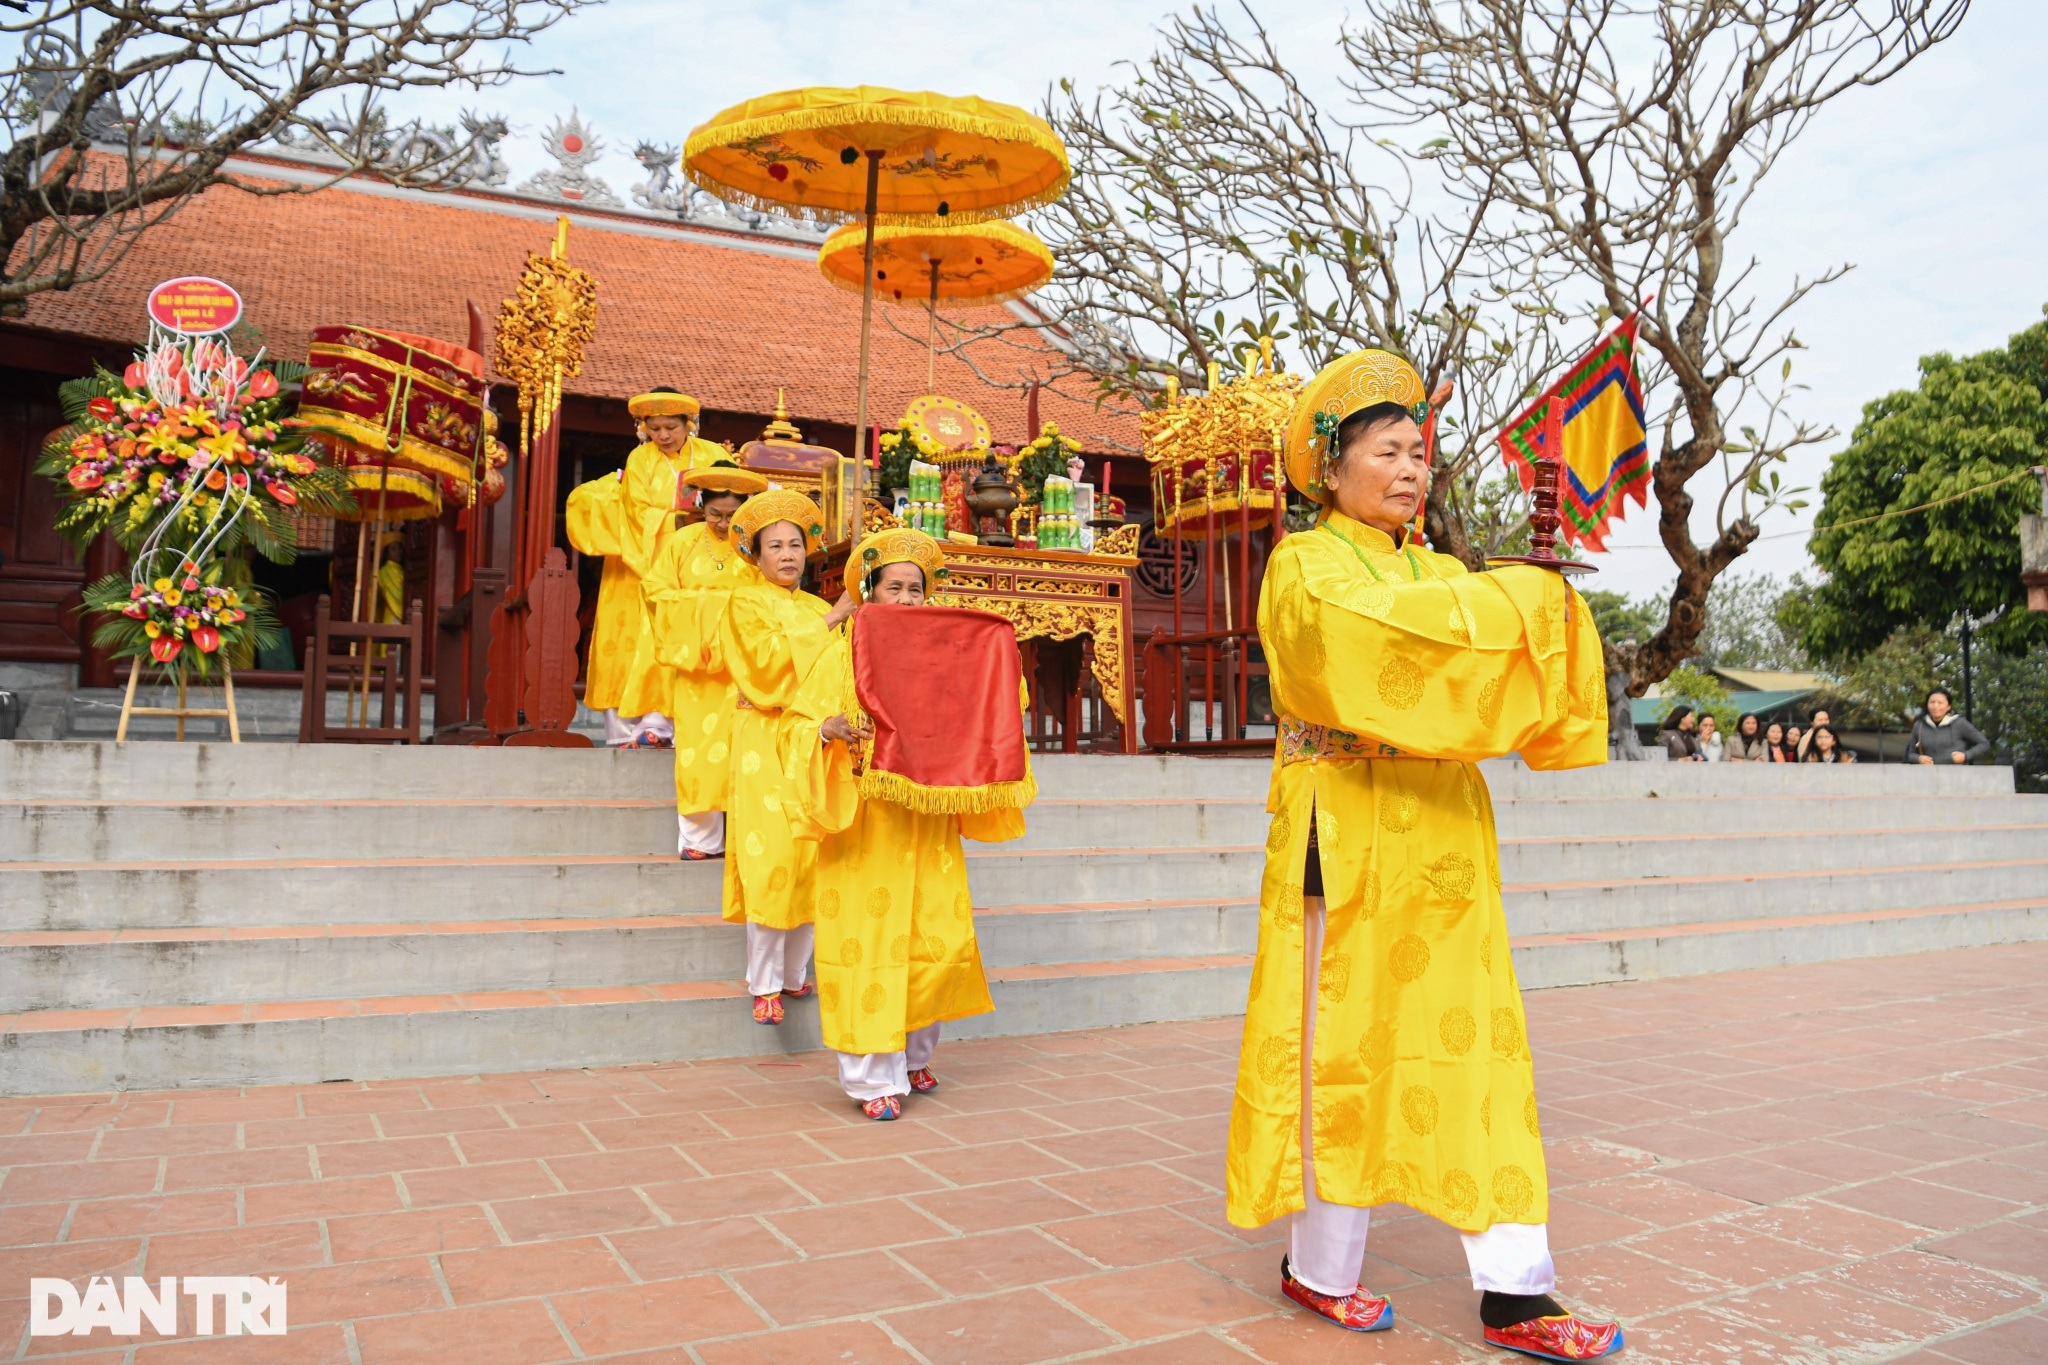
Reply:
x=392, y=672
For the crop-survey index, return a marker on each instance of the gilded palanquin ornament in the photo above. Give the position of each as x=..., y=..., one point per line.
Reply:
x=542, y=330
x=1216, y=456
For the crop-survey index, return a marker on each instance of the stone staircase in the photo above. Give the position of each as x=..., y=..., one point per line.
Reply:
x=205, y=914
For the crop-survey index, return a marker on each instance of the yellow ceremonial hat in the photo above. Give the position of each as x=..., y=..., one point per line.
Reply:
x=897, y=545
x=1352, y=383
x=726, y=477
x=663, y=403
x=763, y=510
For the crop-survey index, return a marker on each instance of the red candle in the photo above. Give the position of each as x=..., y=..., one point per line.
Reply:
x=1105, y=485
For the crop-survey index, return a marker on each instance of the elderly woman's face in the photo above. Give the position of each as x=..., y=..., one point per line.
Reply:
x=902, y=584
x=1382, y=476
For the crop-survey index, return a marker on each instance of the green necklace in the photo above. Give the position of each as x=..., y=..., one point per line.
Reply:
x=1407, y=552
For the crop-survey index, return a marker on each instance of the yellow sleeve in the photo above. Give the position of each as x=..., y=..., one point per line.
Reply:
x=646, y=507
x=671, y=606
x=1469, y=667
x=593, y=516
x=769, y=646
x=822, y=776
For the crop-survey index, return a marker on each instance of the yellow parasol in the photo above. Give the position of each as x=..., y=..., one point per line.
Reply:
x=972, y=264
x=929, y=160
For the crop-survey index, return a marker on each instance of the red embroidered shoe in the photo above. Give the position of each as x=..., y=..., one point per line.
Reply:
x=768, y=1009
x=922, y=1081
x=1559, y=1338
x=884, y=1109
x=647, y=739
x=808, y=988
x=1355, y=1312
x=695, y=855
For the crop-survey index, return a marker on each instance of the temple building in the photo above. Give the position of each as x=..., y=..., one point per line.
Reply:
x=724, y=304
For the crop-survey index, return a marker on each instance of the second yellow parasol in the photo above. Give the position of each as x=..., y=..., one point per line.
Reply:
x=972, y=264
x=915, y=156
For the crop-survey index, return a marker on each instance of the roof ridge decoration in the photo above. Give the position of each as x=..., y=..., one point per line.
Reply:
x=574, y=147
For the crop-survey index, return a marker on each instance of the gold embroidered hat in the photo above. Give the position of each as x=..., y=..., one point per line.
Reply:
x=1349, y=384
x=898, y=545
x=663, y=403
x=723, y=476
x=763, y=510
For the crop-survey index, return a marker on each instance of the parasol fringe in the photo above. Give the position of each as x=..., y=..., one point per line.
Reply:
x=371, y=439
x=876, y=785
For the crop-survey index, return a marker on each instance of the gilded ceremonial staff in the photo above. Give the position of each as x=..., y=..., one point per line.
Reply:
x=542, y=330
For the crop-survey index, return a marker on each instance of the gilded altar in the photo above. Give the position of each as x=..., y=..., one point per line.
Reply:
x=1059, y=595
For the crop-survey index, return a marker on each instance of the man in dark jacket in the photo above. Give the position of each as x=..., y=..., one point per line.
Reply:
x=1942, y=736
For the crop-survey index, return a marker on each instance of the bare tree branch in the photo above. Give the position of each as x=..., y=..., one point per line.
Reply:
x=119, y=113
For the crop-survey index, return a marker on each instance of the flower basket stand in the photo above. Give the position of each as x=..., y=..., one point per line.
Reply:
x=181, y=710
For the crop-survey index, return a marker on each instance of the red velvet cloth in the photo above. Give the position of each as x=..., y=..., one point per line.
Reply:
x=941, y=686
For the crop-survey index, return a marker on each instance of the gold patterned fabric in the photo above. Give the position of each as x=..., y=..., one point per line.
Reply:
x=593, y=525
x=770, y=638
x=897, y=545
x=1346, y=385
x=895, y=948
x=687, y=593
x=649, y=497
x=663, y=405
x=1423, y=1088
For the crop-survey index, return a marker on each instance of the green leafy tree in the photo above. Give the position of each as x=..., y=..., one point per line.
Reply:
x=1743, y=629
x=1620, y=620
x=1969, y=424
x=1704, y=693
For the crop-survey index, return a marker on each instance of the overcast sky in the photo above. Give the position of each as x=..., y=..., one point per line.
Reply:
x=1935, y=186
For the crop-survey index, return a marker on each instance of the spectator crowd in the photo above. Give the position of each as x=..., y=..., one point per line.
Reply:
x=1939, y=735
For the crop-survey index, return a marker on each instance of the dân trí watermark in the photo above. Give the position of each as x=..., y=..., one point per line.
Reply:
x=249, y=1305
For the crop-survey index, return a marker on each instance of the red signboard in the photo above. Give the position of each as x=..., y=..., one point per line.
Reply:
x=194, y=306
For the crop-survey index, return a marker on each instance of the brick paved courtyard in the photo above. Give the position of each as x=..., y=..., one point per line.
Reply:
x=1846, y=1162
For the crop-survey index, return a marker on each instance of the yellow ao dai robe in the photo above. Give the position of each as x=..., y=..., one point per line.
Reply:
x=593, y=524
x=650, y=494
x=895, y=948
x=1394, y=671
x=770, y=639
x=687, y=592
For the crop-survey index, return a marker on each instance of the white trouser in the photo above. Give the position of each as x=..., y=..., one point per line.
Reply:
x=778, y=959
x=869, y=1076
x=618, y=729
x=704, y=832
x=1327, y=1241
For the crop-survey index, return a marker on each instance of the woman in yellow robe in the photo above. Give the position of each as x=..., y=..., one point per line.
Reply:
x=896, y=955
x=1385, y=1057
x=593, y=524
x=686, y=594
x=773, y=632
x=651, y=493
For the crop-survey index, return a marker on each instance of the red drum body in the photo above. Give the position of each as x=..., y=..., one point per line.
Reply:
x=402, y=414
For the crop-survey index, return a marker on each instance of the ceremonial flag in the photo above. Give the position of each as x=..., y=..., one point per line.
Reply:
x=1606, y=448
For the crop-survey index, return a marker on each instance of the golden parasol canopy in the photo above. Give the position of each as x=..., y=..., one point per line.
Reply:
x=971, y=264
x=866, y=151
x=937, y=158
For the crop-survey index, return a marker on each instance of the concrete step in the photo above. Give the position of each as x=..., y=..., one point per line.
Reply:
x=1600, y=907
x=43, y=896
x=307, y=1041
x=1785, y=850
x=313, y=1040
x=101, y=770
x=1543, y=960
x=134, y=968
x=171, y=831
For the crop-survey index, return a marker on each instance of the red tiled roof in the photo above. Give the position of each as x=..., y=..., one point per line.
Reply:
x=711, y=314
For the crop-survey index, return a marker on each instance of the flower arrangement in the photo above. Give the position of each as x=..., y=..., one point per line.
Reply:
x=187, y=461
x=1044, y=458
x=192, y=618
x=191, y=435
x=899, y=448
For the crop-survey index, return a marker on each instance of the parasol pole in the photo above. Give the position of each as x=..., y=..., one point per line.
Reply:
x=931, y=332
x=867, y=299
